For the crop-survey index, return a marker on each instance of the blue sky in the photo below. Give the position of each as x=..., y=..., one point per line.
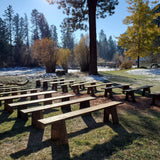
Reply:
x=112, y=25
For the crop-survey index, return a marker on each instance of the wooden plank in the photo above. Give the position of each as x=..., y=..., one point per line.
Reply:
x=76, y=113
x=39, y=100
x=55, y=105
x=26, y=95
x=18, y=91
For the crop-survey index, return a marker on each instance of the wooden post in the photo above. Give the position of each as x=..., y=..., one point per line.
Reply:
x=7, y=107
x=76, y=89
x=20, y=114
x=84, y=104
x=38, y=83
x=48, y=96
x=45, y=85
x=64, y=88
x=108, y=90
x=113, y=111
x=54, y=86
x=35, y=117
x=34, y=97
x=59, y=133
x=66, y=108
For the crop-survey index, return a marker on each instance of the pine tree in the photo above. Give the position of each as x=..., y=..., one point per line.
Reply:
x=139, y=37
x=80, y=11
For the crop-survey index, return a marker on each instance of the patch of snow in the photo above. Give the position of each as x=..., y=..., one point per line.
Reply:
x=151, y=72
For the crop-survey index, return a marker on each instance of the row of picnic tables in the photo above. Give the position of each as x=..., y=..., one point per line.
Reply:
x=58, y=126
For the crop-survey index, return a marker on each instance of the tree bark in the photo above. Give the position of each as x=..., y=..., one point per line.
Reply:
x=92, y=33
x=138, y=62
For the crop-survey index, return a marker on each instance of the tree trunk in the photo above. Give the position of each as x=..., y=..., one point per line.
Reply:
x=92, y=34
x=138, y=62
x=50, y=68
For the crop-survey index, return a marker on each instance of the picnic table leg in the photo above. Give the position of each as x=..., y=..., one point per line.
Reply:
x=127, y=94
x=114, y=115
x=35, y=117
x=54, y=87
x=7, y=107
x=20, y=114
x=146, y=89
x=113, y=111
x=124, y=88
x=45, y=85
x=84, y=104
x=66, y=108
x=48, y=96
x=153, y=100
x=76, y=89
x=133, y=97
x=108, y=91
x=59, y=133
x=64, y=89
x=38, y=83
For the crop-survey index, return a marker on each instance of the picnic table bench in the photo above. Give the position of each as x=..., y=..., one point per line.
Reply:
x=58, y=126
x=92, y=88
x=24, y=104
x=80, y=85
x=37, y=112
x=7, y=89
x=108, y=90
x=23, y=91
x=130, y=91
x=45, y=82
x=55, y=84
x=9, y=99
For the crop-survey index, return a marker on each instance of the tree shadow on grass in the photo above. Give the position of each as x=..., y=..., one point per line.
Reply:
x=99, y=151
x=36, y=144
x=17, y=128
x=4, y=117
x=105, y=150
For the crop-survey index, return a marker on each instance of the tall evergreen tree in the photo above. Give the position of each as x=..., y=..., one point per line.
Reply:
x=102, y=45
x=26, y=30
x=34, y=21
x=43, y=26
x=53, y=31
x=67, y=38
x=8, y=18
x=4, y=44
x=82, y=11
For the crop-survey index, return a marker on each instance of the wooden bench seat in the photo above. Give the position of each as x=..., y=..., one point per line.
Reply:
x=24, y=104
x=92, y=88
x=55, y=84
x=76, y=86
x=58, y=126
x=37, y=112
x=108, y=90
x=130, y=92
x=9, y=99
x=20, y=92
x=7, y=89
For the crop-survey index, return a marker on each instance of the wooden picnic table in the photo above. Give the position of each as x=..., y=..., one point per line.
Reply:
x=92, y=88
x=130, y=91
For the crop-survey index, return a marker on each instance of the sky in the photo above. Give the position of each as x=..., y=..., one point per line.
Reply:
x=112, y=25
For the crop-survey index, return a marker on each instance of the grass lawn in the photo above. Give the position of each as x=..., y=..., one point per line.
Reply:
x=136, y=137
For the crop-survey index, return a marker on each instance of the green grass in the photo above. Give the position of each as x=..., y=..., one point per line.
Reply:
x=136, y=137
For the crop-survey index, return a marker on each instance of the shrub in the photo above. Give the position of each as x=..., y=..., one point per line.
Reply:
x=126, y=65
